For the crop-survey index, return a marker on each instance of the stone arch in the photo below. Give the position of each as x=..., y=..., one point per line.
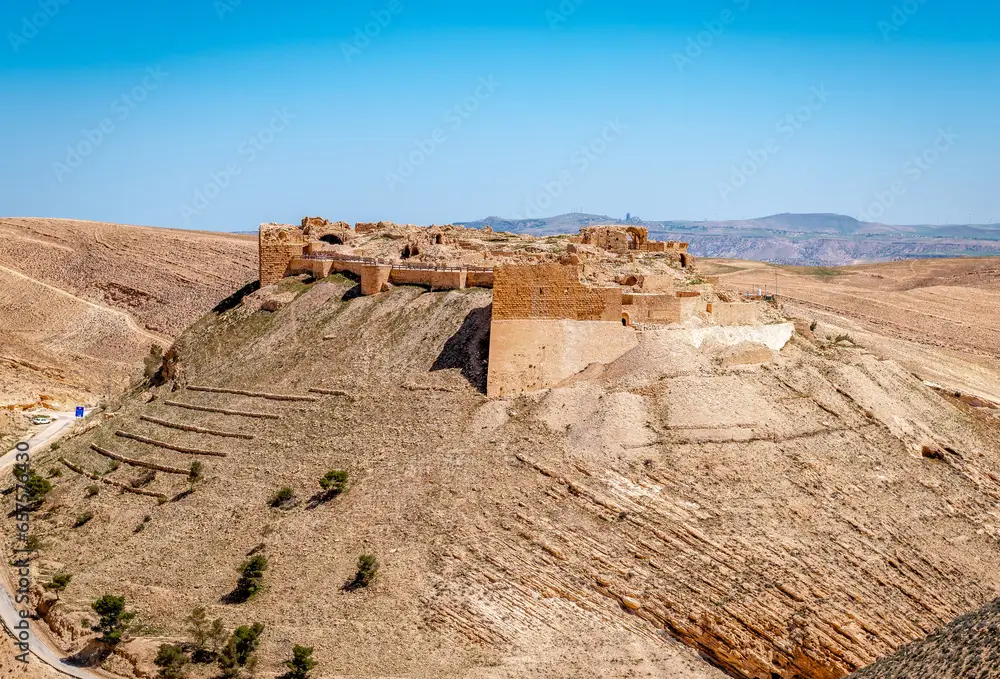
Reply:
x=332, y=239
x=637, y=237
x=630, y=280
x=626, y=319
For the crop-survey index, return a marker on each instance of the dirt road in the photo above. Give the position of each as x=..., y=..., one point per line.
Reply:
x=9, y=612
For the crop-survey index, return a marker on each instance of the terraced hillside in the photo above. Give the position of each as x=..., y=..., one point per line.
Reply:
x=664, y=515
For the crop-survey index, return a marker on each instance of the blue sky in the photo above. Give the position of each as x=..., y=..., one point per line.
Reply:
x=223, y=114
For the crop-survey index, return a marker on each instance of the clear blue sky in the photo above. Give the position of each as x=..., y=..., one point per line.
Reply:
x=220, y=115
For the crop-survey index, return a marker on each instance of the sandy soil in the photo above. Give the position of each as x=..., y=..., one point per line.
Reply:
x=81, y=302
x=938, y=318
x=796, y=518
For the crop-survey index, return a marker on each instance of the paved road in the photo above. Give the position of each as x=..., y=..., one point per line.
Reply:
x=8, y=611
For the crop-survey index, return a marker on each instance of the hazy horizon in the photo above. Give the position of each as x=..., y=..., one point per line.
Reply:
x=221, y=115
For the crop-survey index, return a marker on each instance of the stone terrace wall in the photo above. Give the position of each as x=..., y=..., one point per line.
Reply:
x=551, y=291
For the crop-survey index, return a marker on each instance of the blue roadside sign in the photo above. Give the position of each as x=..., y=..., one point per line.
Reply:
x=79, y=411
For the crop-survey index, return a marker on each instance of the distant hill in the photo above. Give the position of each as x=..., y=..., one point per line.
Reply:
x=807, y=239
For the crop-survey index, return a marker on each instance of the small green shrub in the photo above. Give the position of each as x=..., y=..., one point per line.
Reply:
x=35, y=487
x=197, y=470
x=283, y=497
x=813, y=326
x=33, y=543
x=334, y=482
x=365, y=575
x=55, y=472
x=300, y=664
x=92, y=490
x=239, y=650
x=251, y=576
x=113, y=620
x=172, y=662
x=208, y=636
x=59, y=582
x=83, y=518
x=55, y=445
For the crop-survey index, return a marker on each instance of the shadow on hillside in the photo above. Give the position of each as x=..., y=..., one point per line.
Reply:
x=235, y=299
x=468, y=349
x=91, y=655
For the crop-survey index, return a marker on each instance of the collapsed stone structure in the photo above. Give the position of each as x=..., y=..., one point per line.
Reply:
x=547, y=322
x=624, y=238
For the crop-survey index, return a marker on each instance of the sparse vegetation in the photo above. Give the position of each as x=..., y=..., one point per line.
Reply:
x=813, y=326
x=251, y=576
x=55, y=446
x=55, y=472
x=334, y=482
x=113, y=620
x=59, y=582
x=208, y=637
x=172, y=662
x=92, y=490
x=33, y=543
x=196, y=472
x=300, y=664
x=238, y=653
x=82, y=519
x=142, y=524
x=35, y=487
x=283, y=498
x=366, y=572
x=844, y=337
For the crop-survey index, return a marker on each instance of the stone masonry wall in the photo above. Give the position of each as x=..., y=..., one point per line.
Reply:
x=278, y=245
x=552, y=291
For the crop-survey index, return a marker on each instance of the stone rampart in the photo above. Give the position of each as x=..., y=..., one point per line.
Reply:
x=551, y=291
x=733, y=313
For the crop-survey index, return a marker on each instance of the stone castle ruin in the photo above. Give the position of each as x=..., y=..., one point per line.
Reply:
x=560, y=304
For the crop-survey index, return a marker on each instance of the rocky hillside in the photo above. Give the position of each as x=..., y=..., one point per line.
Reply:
x=664, y=515
x=81, y=302
x=967, y=648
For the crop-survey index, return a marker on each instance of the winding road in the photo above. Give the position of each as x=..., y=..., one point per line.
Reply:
x=40, y=648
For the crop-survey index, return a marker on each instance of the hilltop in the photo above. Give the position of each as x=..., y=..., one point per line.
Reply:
x=82, y=302
x=667, y=513
x=803, y=239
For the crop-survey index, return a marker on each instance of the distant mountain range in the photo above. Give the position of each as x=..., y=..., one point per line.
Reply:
x=814, y=239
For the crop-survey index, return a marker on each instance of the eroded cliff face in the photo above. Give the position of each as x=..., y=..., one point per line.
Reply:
x=663, y=515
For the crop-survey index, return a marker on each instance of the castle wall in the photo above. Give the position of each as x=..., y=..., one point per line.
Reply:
x=551, y=291
x=532, y=354
x=374, y=277
x=734, y=313
x=436, y=280
x=278, y=245
x=652, y=308
x=479, y=279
